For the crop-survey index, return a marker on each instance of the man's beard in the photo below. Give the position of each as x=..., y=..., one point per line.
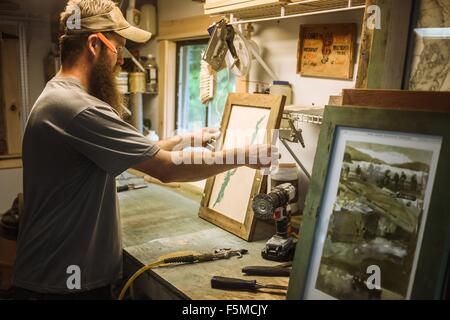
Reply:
x=102, y=83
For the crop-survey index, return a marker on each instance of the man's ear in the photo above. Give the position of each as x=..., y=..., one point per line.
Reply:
x=93, y=45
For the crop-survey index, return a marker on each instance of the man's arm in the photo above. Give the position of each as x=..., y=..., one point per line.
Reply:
x=181, y=166
x=194, y=139
x=169, y=144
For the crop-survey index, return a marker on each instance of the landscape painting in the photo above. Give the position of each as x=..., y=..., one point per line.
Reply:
x=231, y=191
x=248, y=120
x=375, y=219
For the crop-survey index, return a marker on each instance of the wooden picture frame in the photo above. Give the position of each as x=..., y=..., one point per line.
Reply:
x=326, y=50
x=232, y=210
x=408, y=269
x=433, y=101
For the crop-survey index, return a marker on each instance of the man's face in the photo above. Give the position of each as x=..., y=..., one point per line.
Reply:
x=102, y=78
x=116, y=58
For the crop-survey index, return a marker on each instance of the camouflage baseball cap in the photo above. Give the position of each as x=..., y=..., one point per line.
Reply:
x=111, y=21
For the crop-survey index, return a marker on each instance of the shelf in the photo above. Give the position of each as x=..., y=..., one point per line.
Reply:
x=305, y=114
x=276, y=11
x=226, y=6
x=149, y=93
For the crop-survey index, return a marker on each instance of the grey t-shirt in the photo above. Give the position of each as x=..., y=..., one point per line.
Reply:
x=73, y=148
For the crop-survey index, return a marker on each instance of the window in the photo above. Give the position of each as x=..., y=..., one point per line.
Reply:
x=12, y=94
x=191, y=114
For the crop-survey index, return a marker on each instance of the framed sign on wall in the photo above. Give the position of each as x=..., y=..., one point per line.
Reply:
x=326, y=50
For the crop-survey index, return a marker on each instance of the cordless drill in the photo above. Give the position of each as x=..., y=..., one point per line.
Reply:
x=274, y=205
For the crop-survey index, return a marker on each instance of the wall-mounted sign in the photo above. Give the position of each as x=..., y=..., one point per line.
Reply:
x=326, y=50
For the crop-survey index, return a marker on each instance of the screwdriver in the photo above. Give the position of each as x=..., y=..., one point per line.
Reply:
x=132, y=186
x=266, y=271
x=226, y=283
x=281, y=270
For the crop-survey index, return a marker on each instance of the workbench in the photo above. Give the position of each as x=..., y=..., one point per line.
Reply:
x=159, y=220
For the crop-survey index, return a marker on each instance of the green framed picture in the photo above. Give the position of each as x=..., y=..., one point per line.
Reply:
x=376, y=223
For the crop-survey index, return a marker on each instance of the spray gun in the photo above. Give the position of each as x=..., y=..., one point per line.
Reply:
x=274, y=205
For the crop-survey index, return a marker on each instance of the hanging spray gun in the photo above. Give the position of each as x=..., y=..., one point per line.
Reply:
x=274, y=205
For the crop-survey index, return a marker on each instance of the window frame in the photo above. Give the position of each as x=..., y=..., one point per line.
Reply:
x=180, y=44
x=13, y=160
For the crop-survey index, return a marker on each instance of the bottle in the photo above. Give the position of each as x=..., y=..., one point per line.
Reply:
x=133, y=15
x=151, y=74
x=148, y=18
x=287, y=172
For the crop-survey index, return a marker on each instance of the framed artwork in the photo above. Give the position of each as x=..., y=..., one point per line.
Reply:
x=429, y=38
x=248, y=119
x=326, y=50
x=376, y=223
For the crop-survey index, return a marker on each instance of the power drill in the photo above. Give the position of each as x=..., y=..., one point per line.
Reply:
x=274, y=205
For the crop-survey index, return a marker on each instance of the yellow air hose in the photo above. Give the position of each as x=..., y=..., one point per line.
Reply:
x=171, y=258
x=180, y=258
x=137, y=274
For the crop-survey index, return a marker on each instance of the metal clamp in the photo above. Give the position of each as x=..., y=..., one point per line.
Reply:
x=227, y=253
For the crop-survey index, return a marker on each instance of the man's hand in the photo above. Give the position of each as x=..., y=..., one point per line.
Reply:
x=261, y=156
x=202, y=137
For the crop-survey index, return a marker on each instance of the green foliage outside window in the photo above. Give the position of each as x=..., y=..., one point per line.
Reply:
x=194, y=112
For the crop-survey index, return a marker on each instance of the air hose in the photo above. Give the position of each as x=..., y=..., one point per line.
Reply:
x=179, y=259
x=183, y=258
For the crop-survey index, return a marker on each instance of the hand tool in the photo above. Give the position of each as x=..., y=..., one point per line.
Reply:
x=226, y=283
x=266, y=271
x=217, y=254
x=131, y=186
x=210, y=144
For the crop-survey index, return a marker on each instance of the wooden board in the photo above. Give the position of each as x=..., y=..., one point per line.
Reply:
x=326, y=50
x=419, y=100
x=166, y=88
x=383, y=51
x=187, y=28
x=335, y=101
x=10, y=162
x=158, y=221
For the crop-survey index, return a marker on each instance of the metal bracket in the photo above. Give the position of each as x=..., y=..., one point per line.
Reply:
x=295, y=137
x=295, y=134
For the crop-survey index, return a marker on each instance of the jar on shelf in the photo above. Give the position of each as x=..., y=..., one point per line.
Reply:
x=122, y=82
x=137, y=82
x=151, y=74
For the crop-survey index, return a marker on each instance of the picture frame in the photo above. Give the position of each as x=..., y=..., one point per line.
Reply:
x=226, y=202
x=326, y=50
x=355, y=219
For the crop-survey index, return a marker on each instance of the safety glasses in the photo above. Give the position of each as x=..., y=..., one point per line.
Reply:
x=108, y=44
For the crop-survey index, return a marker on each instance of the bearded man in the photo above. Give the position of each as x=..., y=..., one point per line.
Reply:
x=74, y=146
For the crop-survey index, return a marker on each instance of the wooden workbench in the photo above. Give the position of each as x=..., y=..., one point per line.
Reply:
x=158, y=220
